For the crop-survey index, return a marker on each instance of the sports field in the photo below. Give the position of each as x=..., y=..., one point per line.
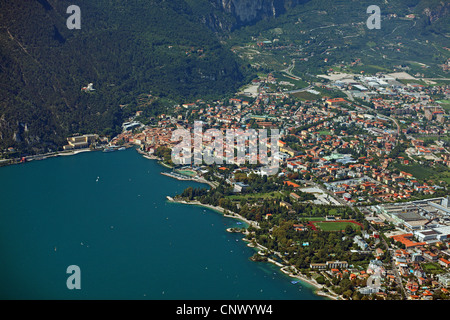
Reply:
x=187, y=172
x=339, y=225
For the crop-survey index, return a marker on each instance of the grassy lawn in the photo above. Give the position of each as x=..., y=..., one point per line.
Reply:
x=187, y=173
x=369, y=69
x=425, y=173
x=253, y=196
x=433, y=268
x=335, y=226
x=313, y=218
x=298, y=84
x=434, y=138
x=417, y=170
x=445, y=104
x=406, y=81
x=332, y=212
x=305, y=95
x=446, y=180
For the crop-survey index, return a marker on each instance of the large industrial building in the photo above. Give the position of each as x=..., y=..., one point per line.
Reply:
x=428, y=220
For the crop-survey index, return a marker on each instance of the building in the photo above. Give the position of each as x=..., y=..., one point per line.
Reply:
x=131, y=125
x=288, y=150
x=295, y=196
x=335, y=102
x=406, y=240
x=444, y=279
x=80, y=142
x=369, y=290
x=430, y=256
x=433, y=234
x=240, y=186
x=411, y=220
x=426, y=235
x=360, y=242
x=318, y=266
x=88, y=88
x=337, y=264
x=444, y=262
x=416, y=215
x=285, y=204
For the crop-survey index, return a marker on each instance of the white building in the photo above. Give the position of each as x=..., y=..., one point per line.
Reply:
x=444, y=279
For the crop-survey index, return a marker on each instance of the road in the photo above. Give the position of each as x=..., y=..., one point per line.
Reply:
x=301, y=90
x=350, y=97
x=289, y=69
x=398, y=278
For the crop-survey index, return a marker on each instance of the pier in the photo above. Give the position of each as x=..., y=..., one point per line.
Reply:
x=177, y=176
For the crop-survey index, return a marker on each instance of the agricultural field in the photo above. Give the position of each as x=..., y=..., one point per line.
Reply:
x=422, y=172
x=445, y=104
x=305, y=95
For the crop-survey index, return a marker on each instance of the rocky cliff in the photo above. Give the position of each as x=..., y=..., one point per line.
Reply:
x=244, y=12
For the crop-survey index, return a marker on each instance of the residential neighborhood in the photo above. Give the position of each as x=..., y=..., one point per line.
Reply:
x=357, y=143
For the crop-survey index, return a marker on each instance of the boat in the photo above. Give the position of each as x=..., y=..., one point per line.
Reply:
x=122, y=148
x=108, y=149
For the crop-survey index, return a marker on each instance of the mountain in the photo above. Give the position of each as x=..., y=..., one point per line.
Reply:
x=229, y=15
x=332, y=34
x=123, y=48
x=179, y=50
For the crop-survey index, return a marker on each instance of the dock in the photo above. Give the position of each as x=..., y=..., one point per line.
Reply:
x=177, y=176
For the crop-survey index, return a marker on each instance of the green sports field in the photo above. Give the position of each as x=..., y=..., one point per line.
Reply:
x=335, y=226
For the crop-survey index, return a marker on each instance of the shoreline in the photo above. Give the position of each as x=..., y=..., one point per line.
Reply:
x=219, y=209
x=10, y=162
x=283, y=268
x=168, y=174
x=186, y=178
x=43, y=156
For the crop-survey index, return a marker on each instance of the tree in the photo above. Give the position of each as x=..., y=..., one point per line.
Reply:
x=320, y=279
x=347, y=294
x=349, y=230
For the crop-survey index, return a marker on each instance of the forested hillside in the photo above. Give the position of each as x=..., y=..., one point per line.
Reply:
x=179, y=50
x=324, y=34
x=124, y=48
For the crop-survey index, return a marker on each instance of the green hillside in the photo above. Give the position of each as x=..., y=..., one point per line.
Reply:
x=179, y=50
x=324, y=34
x=123, y=48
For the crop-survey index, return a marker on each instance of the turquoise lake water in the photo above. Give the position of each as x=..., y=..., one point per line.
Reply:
x=107, y=213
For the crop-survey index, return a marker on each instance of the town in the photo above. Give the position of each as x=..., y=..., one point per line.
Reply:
x=363, y=160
